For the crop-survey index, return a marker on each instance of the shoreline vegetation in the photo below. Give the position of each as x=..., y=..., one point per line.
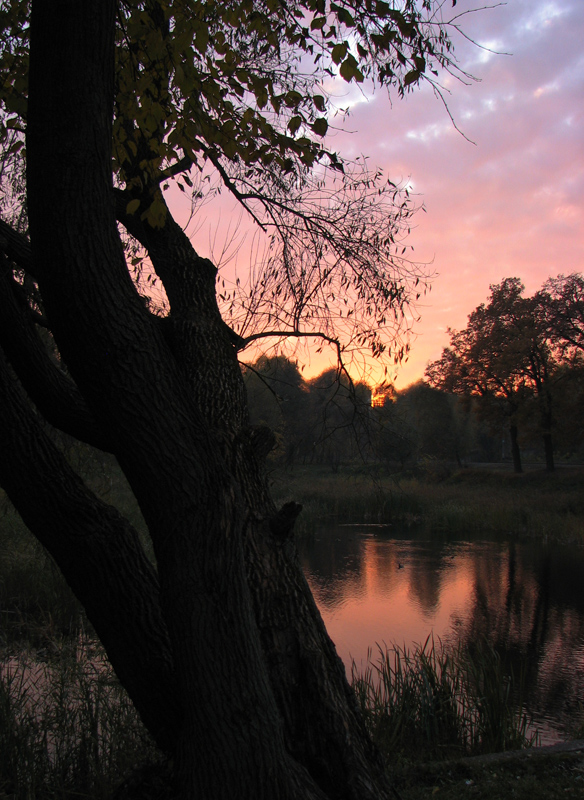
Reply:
x=68, y=730
x=481, y=498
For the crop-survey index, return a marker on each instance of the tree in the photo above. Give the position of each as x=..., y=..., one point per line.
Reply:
x=435, y=423
x=219, y=644
x=470, y=367
x=278, y=398
x=338, y=420
x=503, y=354
x=392, y=437
x=562, y=302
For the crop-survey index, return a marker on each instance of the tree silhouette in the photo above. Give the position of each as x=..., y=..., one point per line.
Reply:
x=503, y=356
x=219, y=643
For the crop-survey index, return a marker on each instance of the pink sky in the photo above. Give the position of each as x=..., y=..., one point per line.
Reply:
x=512, y=203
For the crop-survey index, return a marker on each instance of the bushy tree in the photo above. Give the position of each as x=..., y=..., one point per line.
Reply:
x=278, y=398
x=435, y=423
x=562, y=303
x=505, y=357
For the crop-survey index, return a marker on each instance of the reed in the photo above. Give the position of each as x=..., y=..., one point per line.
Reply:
x=437, y=702
x=354, y=495
x=67, y=728
x=472, y=500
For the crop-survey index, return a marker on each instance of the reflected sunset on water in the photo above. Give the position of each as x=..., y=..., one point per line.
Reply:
x=376, y=585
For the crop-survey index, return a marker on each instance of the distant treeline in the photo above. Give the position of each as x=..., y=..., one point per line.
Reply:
x=511, y=383
x=326, y=420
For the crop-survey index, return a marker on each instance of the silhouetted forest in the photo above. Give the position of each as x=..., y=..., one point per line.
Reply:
x=509, y=387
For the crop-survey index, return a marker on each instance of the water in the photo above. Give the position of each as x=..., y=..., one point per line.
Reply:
x=379, y=585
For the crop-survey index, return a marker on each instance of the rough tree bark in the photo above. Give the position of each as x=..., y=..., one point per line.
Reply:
x=221, y=648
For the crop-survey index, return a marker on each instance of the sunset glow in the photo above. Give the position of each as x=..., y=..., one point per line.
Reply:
x=511, y=204
x=505, y=201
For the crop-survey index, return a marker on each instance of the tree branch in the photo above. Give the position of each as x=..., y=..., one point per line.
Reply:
x=16, y=247
x=50, y=388
x=290, y=335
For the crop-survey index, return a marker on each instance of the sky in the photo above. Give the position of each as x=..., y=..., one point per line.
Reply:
x=512, y=203
x=506, y=199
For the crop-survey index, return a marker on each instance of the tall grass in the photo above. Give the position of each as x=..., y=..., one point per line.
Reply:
x=473, y=500
x=67, y=728
x=535, y=503
x=436, y=702
x=350, y=496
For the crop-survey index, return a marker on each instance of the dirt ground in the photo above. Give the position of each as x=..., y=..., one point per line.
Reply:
x=542, y=773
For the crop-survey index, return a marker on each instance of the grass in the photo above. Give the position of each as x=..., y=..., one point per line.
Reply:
x=36, y=604
x=351, y=496
x=470, y=500
x=534, y=503
x=68, y=730
x=435, y=702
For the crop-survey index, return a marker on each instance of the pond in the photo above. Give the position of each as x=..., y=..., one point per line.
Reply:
x=382, y=585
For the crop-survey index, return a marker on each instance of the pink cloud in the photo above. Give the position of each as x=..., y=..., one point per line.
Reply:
x=512, y=204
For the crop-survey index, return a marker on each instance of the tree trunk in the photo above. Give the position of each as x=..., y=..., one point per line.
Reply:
x=238, y=644
x=515, y=451
x=546, y=424
x=549, y=451
x=96, y=548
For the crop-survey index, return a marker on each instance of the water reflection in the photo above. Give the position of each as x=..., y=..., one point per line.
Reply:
x=377, y=585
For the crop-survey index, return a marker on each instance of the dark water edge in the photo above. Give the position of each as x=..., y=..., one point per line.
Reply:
x=383, y=585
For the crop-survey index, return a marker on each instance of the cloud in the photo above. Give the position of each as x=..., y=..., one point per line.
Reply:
x=513, y=203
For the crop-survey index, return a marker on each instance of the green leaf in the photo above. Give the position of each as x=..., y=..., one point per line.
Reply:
x=412, y=77
x=318, y=23
x=350, y=71
x=339, y=52
x=156, y=214
x=344, y=17
x=294, y=124
x=262, y=98
x=293, y=99
x=15, y=123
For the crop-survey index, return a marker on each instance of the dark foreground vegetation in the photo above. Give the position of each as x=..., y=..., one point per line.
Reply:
x=529, y=776
x=68, y=729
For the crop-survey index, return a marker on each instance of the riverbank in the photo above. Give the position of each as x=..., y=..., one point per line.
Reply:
x=487, y=498
x=37, y=611
x=540, y=773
